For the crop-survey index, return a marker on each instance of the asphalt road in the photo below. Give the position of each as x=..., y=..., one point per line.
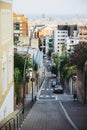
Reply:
x=47, y=113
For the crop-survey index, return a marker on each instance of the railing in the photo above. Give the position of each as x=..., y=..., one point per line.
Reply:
x=15, y=122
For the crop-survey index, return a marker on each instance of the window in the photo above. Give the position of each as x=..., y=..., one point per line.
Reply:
x=16, y=26
x=4, y=74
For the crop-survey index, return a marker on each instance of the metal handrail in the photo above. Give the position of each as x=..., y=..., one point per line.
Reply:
x=19, y=117
x=15, y=122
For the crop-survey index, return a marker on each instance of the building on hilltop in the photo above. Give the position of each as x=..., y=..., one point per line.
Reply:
x=6, y=59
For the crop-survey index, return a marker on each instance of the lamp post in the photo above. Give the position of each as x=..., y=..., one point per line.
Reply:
x=85, y=81
x=32, y=79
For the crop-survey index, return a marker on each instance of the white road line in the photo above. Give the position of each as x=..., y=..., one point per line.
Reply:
x=53, y=96
x=67, y=116
x=41, y=95
x=40, y=90
x=47, y=96
x=56, y=98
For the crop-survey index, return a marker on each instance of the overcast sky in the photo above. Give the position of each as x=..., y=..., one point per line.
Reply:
x=50, y=6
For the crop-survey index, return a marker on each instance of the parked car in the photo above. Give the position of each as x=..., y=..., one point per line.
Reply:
x=58, y=88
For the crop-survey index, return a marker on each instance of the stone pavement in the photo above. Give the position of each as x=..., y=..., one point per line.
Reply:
x=48, y=115
x=45, y=115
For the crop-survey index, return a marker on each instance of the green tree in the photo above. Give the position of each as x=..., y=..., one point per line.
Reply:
x=19, y=62
x=79, y=55
x=56, y=61
x=16, y=83
x=66, y=69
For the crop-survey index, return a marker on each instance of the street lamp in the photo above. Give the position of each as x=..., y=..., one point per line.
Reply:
x=85, y=81
x=32, y=79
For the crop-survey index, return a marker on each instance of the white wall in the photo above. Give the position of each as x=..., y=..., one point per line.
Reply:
x=8, y=105
x=55, y=40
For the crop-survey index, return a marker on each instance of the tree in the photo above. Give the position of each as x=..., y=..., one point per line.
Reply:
x=19, y=62
x=79, y=55
x=55, y=67
x=16, y=83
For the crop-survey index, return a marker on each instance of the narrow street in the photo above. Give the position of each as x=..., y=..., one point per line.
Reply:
x=47, y=113
x=55, y=111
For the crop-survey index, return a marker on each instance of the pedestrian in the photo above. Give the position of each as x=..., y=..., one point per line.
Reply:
x=75, y=95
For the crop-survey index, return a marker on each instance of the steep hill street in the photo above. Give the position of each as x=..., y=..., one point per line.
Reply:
x=55, y=112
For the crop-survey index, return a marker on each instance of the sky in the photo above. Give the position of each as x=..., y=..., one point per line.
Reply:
x=57, y=7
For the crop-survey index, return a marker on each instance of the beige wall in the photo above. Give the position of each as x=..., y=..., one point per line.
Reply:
x=35, y=43
x=6, y=46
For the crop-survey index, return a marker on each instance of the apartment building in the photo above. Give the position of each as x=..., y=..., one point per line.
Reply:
x=6, y=59
x=48, y=44
x=82, y=33
x=20, y=26
x=65, y=35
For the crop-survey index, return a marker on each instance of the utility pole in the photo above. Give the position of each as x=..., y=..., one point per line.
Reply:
x=32, y=79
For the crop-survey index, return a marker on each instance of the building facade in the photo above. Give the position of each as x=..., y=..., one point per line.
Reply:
x=20, y=26
x=6, y=59
x=65, y=35
x=82, y=33
x=46, y=31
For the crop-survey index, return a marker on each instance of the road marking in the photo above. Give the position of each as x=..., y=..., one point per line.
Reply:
x=56, y=98
x=53, y=96
x=40, y=90
x=67, y=116
x=41, y=95
x=47, y=96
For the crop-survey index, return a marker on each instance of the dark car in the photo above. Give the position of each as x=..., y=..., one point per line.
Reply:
x=58, y=88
